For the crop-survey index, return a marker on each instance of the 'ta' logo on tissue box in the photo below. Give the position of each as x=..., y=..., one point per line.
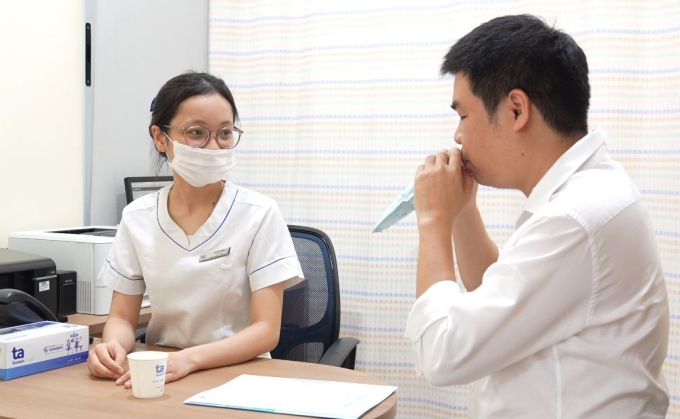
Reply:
x=42, y=346
x=17, y=354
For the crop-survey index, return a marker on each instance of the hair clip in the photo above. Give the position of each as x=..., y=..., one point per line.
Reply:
x=153, y=103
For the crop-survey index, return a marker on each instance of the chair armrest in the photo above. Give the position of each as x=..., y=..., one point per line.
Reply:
x=140, y=335
x=341, y=353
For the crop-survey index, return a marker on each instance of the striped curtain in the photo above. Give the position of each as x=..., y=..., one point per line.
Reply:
x=341, y=101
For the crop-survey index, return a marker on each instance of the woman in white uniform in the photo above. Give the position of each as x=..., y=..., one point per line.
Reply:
x=213, y=256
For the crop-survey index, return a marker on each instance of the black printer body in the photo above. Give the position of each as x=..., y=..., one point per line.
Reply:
x=34, y=275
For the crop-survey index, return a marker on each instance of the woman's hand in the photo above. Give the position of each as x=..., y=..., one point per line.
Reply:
x=106, y=360
x=178, y=367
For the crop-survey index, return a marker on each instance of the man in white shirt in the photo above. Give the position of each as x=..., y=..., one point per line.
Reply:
x=570, y=319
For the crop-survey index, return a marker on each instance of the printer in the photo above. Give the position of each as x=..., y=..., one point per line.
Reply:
x=32, y=274
x=83, y=250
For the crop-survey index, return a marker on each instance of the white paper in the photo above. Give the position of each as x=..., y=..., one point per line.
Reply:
x=398, y=209
x=294, y=396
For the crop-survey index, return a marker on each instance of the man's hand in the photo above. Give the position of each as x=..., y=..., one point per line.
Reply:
x=442, y=189
x=470, y=187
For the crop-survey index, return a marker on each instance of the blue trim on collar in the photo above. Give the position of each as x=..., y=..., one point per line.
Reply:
x=206, y=240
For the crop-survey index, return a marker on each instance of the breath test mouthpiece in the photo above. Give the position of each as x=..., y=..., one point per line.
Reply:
x=400, y=208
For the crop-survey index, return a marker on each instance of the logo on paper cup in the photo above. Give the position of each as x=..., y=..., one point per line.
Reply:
x=160, y=369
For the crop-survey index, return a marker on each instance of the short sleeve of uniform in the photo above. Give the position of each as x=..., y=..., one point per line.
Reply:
x=122, y=271
x=272, y=258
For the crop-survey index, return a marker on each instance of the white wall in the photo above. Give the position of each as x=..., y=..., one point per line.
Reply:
x=44, y=179
x=41, y=117
x=137, y=47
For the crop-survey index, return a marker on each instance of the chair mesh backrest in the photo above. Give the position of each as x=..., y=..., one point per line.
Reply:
x=311, y=320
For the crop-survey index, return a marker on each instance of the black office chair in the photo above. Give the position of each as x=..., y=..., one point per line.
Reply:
x=310, y=325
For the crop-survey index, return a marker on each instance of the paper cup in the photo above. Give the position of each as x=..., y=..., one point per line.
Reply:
x=147, y=373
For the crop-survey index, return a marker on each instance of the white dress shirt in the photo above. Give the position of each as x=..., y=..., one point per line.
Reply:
x=200, y=286
x=572, y=320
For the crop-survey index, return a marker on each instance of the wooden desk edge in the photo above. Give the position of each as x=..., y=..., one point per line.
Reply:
x=387, y=409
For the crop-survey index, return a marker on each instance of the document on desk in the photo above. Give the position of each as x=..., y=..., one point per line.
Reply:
x=294, y=396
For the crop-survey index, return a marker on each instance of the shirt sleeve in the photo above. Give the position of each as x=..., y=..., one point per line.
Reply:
x=122, y=271
x=272, y=257
x=537, y=294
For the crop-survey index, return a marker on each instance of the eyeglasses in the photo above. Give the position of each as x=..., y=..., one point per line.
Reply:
x=198, y=136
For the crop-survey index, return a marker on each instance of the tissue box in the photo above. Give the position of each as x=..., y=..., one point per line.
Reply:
x=42, y=346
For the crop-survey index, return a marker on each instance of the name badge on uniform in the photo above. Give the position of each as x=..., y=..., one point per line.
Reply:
x=214, y=255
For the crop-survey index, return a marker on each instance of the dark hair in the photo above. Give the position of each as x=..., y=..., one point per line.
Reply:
x=180, y=88
x=523, y=52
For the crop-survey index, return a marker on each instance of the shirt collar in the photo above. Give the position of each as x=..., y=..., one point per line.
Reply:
x=561, y=171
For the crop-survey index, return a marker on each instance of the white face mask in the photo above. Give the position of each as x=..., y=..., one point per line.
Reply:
x=201, y=167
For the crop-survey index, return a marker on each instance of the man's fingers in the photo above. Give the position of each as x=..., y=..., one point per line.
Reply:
x=442, y=157
x=455, y=157
x=429, y=160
